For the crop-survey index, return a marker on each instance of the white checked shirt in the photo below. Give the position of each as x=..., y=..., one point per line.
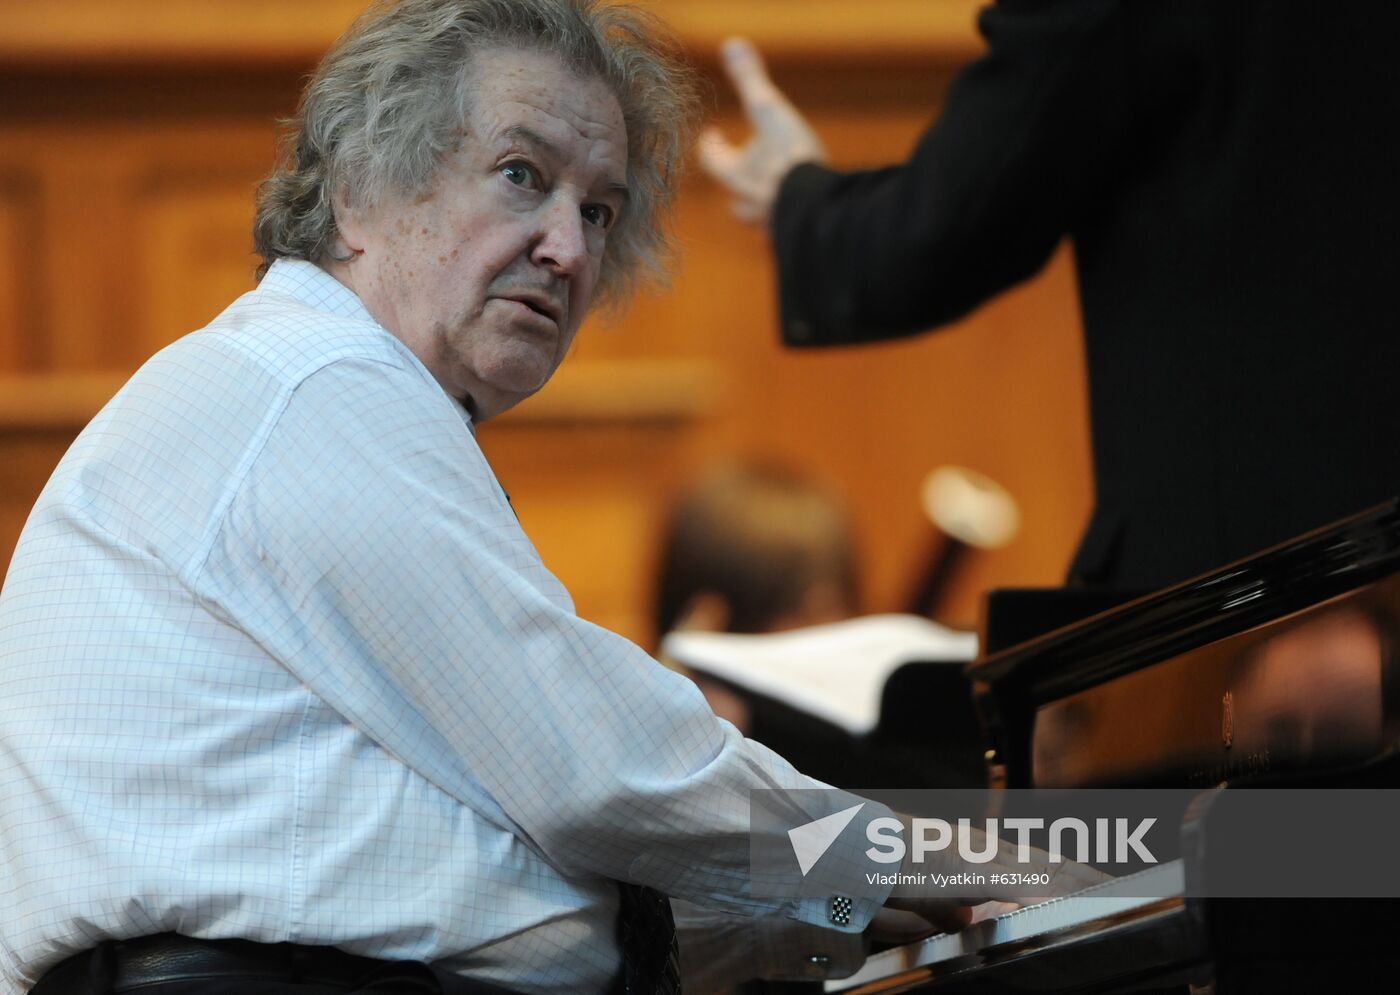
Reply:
x=277, y=662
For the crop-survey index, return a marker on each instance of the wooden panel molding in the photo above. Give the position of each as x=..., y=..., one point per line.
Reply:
x=203, y=31
x=62, y=402
x=194, y=244
x=638, y=392
x=603, y=394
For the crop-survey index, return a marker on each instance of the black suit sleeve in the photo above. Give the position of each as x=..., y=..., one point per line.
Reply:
x=989, y=191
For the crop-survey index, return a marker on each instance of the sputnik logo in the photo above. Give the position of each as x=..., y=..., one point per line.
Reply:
x=812, y=839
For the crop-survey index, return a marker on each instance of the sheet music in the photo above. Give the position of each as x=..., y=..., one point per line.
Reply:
x=836, y=672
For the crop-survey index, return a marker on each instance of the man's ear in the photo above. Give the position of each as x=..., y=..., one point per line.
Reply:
x=348, y=224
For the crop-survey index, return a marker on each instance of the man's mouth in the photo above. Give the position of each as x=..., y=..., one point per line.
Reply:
x=538, y=303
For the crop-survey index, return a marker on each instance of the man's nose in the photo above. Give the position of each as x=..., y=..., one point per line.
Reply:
x=563, y=244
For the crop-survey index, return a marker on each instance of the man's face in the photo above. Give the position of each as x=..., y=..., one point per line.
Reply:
x=487, y=273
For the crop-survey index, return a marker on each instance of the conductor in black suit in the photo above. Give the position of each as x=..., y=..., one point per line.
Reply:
x=1227, y=174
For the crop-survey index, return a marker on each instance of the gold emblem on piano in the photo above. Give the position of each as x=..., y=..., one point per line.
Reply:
x=1227, y=719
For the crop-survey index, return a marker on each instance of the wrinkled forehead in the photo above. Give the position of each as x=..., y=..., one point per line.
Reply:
x=514, y=90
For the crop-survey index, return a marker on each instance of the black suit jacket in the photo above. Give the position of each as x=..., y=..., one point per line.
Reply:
x=1227, y=172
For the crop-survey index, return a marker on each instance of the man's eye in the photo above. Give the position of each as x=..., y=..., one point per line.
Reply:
x=521, y=175
x=598, y=215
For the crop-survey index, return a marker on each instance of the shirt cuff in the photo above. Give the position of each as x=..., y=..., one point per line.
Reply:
x=842, y=893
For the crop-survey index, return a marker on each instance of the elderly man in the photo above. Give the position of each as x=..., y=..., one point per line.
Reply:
x=288, y=703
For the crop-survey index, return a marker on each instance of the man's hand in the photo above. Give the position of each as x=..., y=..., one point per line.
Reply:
x=781, y=139
x=892, y=927
x=952, y=910
x=896, y=927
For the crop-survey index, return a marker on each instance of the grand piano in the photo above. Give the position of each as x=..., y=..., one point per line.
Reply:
x=1275, y=671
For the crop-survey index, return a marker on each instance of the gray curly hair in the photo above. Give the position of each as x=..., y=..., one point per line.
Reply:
x=389, y=100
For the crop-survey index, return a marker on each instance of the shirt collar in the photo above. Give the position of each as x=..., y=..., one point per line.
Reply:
x=314, y=287
x=311, y=285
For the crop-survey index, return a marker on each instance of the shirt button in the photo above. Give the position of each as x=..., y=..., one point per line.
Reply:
x=840, y=910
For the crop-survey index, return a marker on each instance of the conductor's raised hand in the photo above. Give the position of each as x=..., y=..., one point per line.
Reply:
x=781, y=137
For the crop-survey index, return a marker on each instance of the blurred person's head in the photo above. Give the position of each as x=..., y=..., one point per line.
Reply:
x=754, y=547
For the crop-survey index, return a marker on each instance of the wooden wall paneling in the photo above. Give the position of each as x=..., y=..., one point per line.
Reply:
x=588, y=499
x=88, y=175
x=117, y=154
x=21, y=320
x=193, y=32
x=149, y=234
x=196, y=254
x=834, y=30
x=192, y=215
x=261, y=31
x=588, y=464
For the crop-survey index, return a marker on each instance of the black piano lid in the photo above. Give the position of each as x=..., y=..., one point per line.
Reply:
x=1304, y=571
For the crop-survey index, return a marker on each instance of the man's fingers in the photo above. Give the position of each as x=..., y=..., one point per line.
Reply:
x=750, y=212
x=944, y=915
x=892, y=926
x=990, y=910
x=946, y=912
x=949, y=918
x=747, y=72
x=1071, y=876
x=725, y=162
x=717, y=156
x=781, y=138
